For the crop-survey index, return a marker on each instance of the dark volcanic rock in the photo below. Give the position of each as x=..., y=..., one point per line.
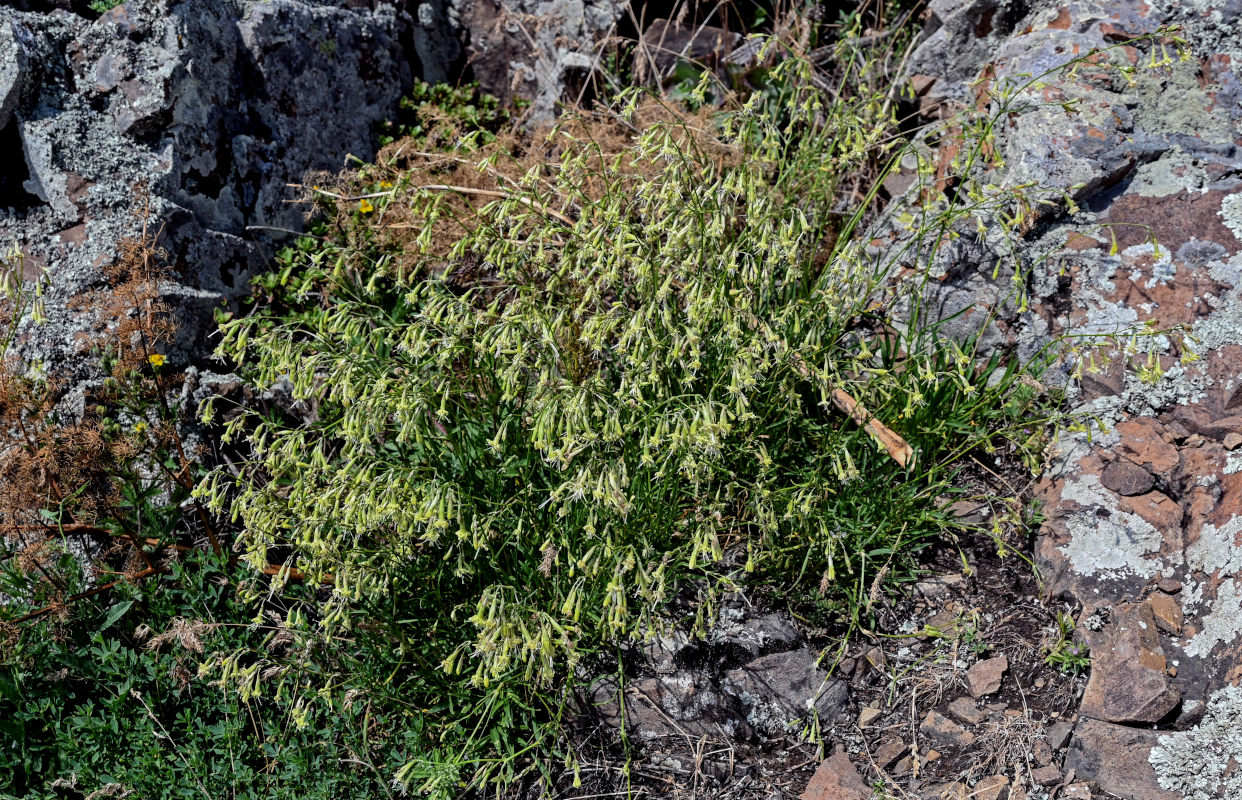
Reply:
x=780, y=690
x=1127, y=478
x=684, y=703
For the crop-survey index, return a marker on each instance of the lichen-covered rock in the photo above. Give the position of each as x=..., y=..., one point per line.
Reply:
x=782, y=690
x=1202, y=763
x=189, y=118
x=1142, y=226
x=1129, y=682
x=1115, y=757
x=531, y=49
x=683, y=703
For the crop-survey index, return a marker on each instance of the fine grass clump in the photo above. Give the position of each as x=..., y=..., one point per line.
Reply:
x=550, y=381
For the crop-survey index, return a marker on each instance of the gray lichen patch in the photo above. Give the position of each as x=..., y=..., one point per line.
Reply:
x=1216, y=551
x=1175, y=103
x=1222, y=625
x=1231, y=213
x=1196, y=763
x=1172, y=173
x=1108, y=544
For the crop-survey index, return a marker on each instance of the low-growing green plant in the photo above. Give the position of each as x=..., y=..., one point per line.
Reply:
x=1063, y=649
x=104, y=697
x=432, y=110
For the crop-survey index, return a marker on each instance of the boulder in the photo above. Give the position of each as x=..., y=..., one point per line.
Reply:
x=779, y=691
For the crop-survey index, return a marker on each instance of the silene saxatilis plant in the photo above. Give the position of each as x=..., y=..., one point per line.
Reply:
x=549, y=381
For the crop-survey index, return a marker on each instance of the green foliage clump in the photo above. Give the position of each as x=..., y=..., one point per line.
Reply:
x=606, y=376
x=430, y=109
x=105, y=697
x=1064, y=649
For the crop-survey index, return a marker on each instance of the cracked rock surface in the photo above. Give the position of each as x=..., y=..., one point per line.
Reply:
x=1143, y=525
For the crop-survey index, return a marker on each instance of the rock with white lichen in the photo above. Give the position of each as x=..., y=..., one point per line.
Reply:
x=1143, y=511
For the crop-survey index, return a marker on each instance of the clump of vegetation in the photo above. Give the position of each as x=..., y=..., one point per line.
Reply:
x=114, y=586
x=433, y=108
x=558, y=380
x=1063, y=649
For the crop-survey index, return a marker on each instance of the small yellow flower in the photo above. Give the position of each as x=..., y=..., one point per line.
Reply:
x=156, y=360
x=385, y=184
x=140, y=427
x=364, y=205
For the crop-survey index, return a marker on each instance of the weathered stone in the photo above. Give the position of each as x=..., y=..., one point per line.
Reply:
x=965, y=709
x=1143, y=443
x=213, y=107
x=759, y=635
x=990, y=787
x=513, y=59
x=683, y=703
x=953, y=790
x=1168, y=612
x=1169, y=585
x=663, y=650
x=984, y=677
x=890, y=752
x=1077, y=791
x=1127, y=478
x=1046, y=776
x=666, y=41
x=1059, y=734
x=778, y=690
x=1128, y=680
x=1116, y=758
x=837, y=779
x=14, y=65
x=1041, y=751
x=943, y=730
x=1233, y=441
x=868, y=715
x=938, y=586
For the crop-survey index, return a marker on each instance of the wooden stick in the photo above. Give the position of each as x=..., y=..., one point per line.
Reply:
x=898, y=449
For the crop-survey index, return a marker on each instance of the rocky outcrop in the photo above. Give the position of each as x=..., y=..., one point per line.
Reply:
x=534, y=49
x=1135, y=227
x=192, y=118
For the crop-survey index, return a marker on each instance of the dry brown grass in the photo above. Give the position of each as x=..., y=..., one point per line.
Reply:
x=61, y=475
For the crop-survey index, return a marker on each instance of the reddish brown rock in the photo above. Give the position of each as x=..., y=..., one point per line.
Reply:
x=1128, y=680
x=990, y=788
x=964, y=709
x=985, y=677
x=941, y=729
x=1142, y=442
x=1115, y=757
x=890, y=753
x=1046, y=776
x=1159, y=510
x=1127, y=478
x=1221, y=429
x=837, y=779
x=1167, y=611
